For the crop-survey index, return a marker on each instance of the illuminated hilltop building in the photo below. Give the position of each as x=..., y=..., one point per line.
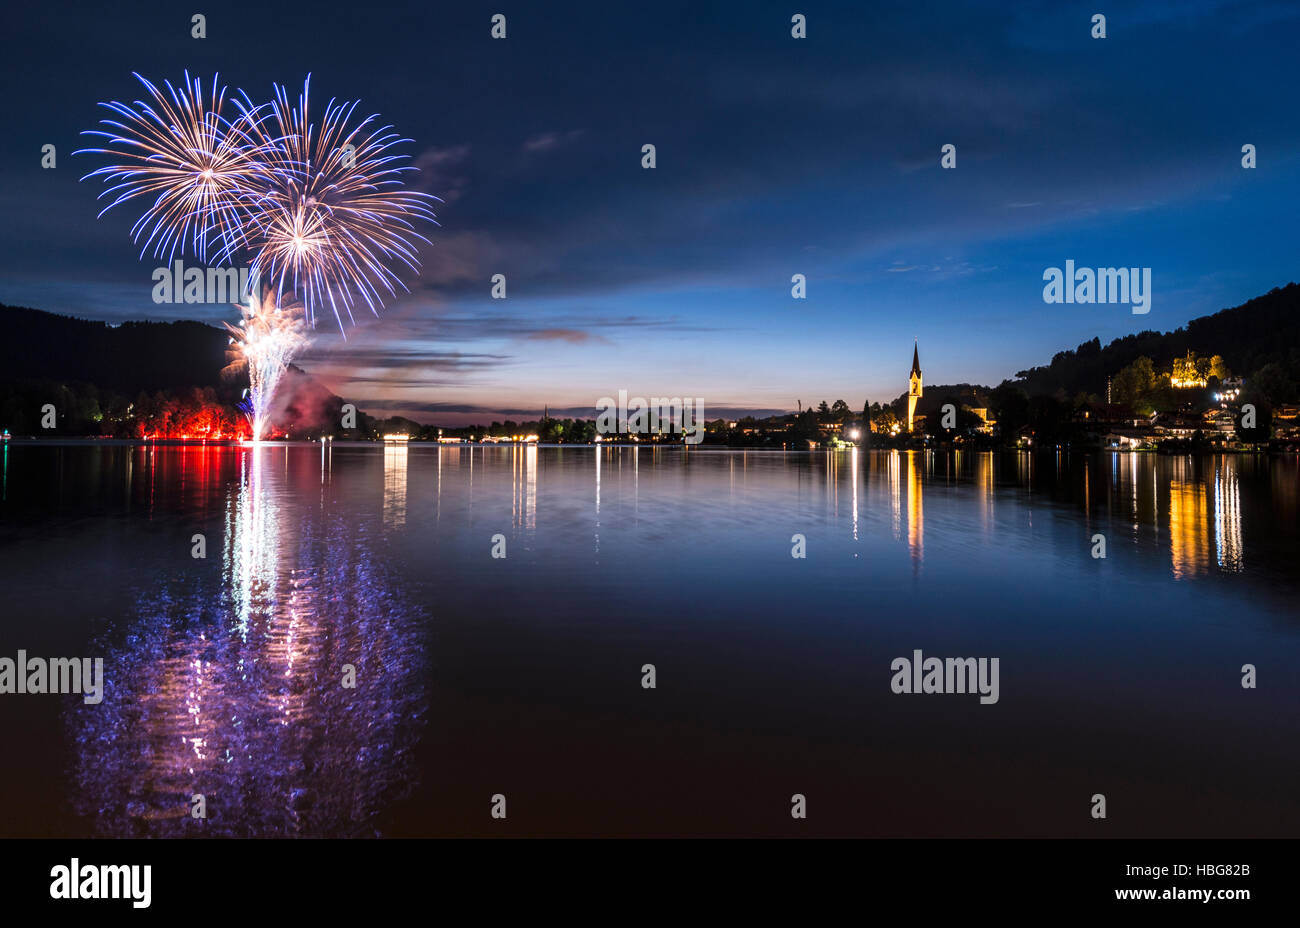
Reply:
x=914, y=389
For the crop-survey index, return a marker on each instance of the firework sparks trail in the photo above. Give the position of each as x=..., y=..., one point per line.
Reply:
x=270, y=334
x=319, y=211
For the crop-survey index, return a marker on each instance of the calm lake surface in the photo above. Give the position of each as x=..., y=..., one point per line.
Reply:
x=522, y=675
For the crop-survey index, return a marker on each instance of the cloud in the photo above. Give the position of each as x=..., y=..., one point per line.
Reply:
x=572, y=336
x=548, y=141
x=398, y=356
x=417, y=323
x=458, y=259
x=463, y=414
x=440, y=172
x=435, y=408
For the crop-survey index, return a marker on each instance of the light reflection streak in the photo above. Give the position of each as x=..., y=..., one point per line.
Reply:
x=853, y=476
x=395, y=484
x=523, y=485
x=1188, y=529
x=1227, y=515
x=915, y=512
x=895, y=492
x=984, y=487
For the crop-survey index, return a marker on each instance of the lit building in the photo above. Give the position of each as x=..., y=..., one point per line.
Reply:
x=914, y=386
x=1187, y=373
x=986, y=421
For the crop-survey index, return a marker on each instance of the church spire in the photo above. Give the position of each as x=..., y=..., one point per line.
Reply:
x=913, y=385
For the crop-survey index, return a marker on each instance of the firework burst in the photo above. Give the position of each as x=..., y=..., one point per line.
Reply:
x=328, y=209
x=319, y=211
x=178, y=149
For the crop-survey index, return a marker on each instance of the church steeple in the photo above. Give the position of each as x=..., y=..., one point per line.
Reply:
x=914, y=384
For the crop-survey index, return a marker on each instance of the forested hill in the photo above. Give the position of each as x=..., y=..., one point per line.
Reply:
x=1265, y=330
x=127, y=358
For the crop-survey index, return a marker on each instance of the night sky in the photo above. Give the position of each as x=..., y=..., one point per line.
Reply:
x=775, y=156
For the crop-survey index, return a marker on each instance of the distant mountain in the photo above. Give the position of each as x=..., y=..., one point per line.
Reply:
x=126, y=358
x=1265, y=330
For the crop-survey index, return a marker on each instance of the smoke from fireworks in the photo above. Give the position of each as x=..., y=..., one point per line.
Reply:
x=319, y=211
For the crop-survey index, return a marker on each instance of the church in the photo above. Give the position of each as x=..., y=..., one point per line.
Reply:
x=966, y=398
x=914, y=386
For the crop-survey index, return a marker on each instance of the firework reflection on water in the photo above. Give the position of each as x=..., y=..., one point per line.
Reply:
x=232, y=687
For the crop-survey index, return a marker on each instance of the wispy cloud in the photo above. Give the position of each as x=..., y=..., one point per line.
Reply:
x=549, y=141
x=572, y=336
x=441, y=171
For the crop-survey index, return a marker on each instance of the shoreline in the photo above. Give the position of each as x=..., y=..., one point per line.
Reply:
x=84, y=441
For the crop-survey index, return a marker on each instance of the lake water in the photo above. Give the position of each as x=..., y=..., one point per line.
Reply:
x=523, y=675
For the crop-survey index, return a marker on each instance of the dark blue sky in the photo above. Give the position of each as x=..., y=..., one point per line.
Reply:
x=775, y=157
